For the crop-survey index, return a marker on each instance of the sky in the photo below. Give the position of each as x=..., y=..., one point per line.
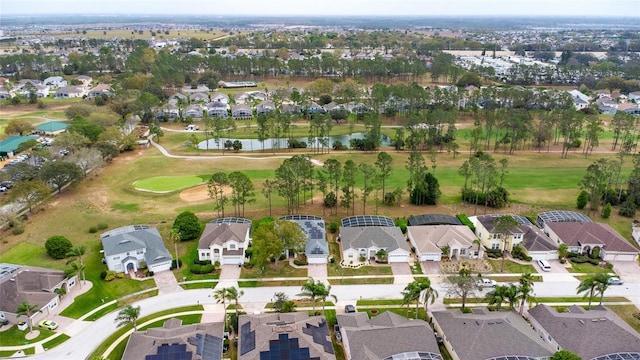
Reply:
x=626, y=8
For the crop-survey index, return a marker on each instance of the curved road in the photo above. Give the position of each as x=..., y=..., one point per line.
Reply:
x=86, y=336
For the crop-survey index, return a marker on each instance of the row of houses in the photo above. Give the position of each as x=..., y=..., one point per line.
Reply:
x=80, y=86
x=607, y=103
x=596, y=334
x=431, y=237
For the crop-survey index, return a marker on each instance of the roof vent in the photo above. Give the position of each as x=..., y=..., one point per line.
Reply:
x=581, y=321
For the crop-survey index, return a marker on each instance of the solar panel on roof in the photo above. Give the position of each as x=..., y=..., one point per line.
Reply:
x=247, y=338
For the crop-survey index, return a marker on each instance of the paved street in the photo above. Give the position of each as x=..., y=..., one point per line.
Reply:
x=86, y=336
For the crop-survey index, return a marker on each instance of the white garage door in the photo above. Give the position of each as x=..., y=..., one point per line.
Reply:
x=398, y=258
x=430, y=257
x=231, y=260
x=317, y=260
x=160, y=267
x=620, y=257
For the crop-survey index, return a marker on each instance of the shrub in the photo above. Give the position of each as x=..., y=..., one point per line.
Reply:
x=494, y=253
x=201, y=269
x=628, y=208
x=93, y=230
x=58, y=246
x=17, y=230
x=120, y=275
x=606, y=212
x=519, y=253
x=333, y=227
x=202, y=262
x=300, y=262
x=465, y=221
x=187, y=225
x=330, y=200
x=248, y=252
x=103, y=274
x=150, y=273
x=102, y=226
x=282, y=257
x=110, y=275
x=582, y=200
x=402, y=224
x=173, y=264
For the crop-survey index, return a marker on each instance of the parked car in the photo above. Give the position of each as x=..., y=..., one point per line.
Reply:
x=615, y=281
x=3, y=189
x=349, y=309
x=485, y=283
x=7, y=184
x=336, y=330
x=439, y=339
x=192, y=128
x=48, y=324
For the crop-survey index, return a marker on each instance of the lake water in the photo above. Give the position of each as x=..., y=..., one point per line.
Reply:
x=281, y=143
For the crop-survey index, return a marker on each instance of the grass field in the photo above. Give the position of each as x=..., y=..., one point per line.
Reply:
x=168, y=183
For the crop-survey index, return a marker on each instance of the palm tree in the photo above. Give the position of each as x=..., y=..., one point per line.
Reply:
x=176, y=236
x=410, y=294
x=563, y=252
x=512, y=295
x=221, y=295
x=525, y=289
x=129, y=315
x=602, y=284
x=233, y=293
x=78, y=268
x=587, y=286
x=324, y=292
x=429, y=294
x=479, y=243
x=27, y=310
x=310, y=290
x=497, y=296
x=77, y=252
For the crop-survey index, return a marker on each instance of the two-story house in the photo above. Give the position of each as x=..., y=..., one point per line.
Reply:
x=130, y=248
x=225, y=240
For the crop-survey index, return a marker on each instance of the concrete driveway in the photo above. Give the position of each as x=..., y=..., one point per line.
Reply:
x=431, y=267
x=627, y=270
x=230, y=272
x=401, y=273
x=317, y=271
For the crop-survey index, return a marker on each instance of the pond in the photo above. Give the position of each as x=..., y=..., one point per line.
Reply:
x=281, y=143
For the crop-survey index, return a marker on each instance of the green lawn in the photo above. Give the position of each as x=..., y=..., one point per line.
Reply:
x=168, y=183
x=511, y=267
x=14, y=337
x=626, y=313
x=587, y=268
x=379, y=302
x=186, y=320
x=56, y=341
x=356, y=281
x=284, y=270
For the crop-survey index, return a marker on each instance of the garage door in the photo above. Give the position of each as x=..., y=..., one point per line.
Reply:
x=398, y=258
x=232, y=260
x=430, y=257
x=620, y=257
x=317, y=260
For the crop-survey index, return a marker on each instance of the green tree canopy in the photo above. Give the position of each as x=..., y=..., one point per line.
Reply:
x=188, y=225
x=58, y=246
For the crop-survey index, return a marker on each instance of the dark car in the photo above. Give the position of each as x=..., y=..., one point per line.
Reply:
x=349, y=309
x=336, y=330
x=439, y=339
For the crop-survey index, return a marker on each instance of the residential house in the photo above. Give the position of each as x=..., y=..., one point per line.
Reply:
x=585, y=238
x=176, y=341
x=168, y=112
x=312, y=108
x=179, y=96
x=535, y=243
x=607, y=106
x=265, y=107
x=386, y=336
x=190, y=90
x=99, y=90
x=361, y=244
x=68, y=92
x=55, y=82
x=5, y=94
x=220, y=97
x=199, y=98
x=225, y=242
x=284, y=336
x=560, y=216
x=37, y=286
x=83, y=80
x=433, y=219
x=218, y=108
x=484, y=334
x=316, y=248
x=130, y=248
x=430, y=241
x=596, y=334
x=634, y=96
x=195, y=111
x=241, y=112
x=630, y=108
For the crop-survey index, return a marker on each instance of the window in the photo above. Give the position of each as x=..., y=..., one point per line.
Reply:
x=496, y=236
x=463, y=251
x=203, y=254
x=495, y=246
x=549, y=338
x=232, y=246
x=116, y=258
x=140, y=252
x=350, y=255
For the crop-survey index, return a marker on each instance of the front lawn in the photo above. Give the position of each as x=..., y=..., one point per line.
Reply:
x=587, y=268
x=511, y=267
x=15, y=337
x=56, y=341
x=284, y=270
x=626, y=312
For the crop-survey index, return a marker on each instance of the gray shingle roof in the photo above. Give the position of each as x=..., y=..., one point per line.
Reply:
x=219, y=234
x=386, y=335
x=31, y=284
x=591, y=333
x=389, y=238
x=488, y=334
x=129, y=239
x=572, y=234
x=535, y=240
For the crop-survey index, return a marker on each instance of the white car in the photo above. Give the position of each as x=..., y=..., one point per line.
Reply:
x=614, y=281
x=485, y=283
